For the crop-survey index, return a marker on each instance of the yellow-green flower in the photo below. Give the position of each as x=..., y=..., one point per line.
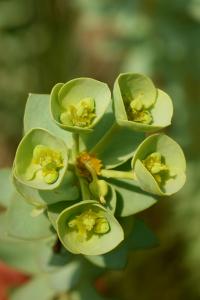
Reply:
x=81, y=114
x=159, y=165
x=89, y=228
x=41, y=160
x=45, y=164
x=79, y=104
x=155, y=164
x=89, y=222
x=139, y=105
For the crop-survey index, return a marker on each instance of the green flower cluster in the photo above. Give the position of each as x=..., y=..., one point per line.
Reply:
x=72, y=161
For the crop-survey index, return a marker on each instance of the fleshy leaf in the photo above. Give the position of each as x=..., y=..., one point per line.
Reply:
x=37, y=115
x=54, y=211
x=20, y=254
x=6, y=187
x=22, y=225
x=24, y=168
x=67, y=191
x=141, y=237
x=92, y=243
x=85, y=291
x=67, y=106
x=130, y=198
x=116, y=146
x=65, y=278
x=37, y=288
x=53, y=257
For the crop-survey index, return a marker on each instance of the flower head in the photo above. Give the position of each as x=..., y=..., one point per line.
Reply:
x=79, y=104
x=41, y=160
x=89, y=222
x=89, y=228
x=81, y=115
x=159, y=165
x=139, y=105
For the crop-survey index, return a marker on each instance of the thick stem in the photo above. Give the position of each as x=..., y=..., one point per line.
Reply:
x=84, y=188
x=83, y=184
x=118, y=174
x=76, y=143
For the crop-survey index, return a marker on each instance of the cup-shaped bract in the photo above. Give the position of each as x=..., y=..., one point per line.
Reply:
x=88, y=228
x=159, y=165
x=79, y=104
x=139, y=105
x=41, y=160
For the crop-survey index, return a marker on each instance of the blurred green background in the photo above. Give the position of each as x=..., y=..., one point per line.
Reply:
x=50, y=41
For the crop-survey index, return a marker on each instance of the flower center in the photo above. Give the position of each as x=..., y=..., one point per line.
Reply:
x=46, y=163
x=89, y=222
x=156, y=166
x=82, y=114
x=94, y=163
x=138, y=112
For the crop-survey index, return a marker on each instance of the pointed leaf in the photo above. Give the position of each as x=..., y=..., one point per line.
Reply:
x=66, y=277
x=37, y=288
x=130, y=198
x=6, y=187
x=67, y=191
x=141, y=237
x=37, y=114
x=117, y=146
x=54, y=211
x=22, y=225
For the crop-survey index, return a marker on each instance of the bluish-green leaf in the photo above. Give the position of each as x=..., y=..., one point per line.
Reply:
x=54, y=210
x=90, y=140
x=22, y=255
x=65, y=278
x=37, y=114
x=37, y=288
x=85, y=291
x=22, y=225
x=6, y=187
x=65, y=192
x=52, y=256
x=130, y=198
x=117, y=146
x=141, y=237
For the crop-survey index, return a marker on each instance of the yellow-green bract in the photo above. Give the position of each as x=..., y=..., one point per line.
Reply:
x=97, y=241
x=32, y=170
x=139, y=105
x=79, y=104
x=173, y=161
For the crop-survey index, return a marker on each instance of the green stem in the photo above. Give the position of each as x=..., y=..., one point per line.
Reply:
x=105, y=139
x=76, y=143
x=83, y=183
x=84, y=188
x=118, y=174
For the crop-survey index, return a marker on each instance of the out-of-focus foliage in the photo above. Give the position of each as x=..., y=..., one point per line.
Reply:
x=44, y=42
x=35, y=40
